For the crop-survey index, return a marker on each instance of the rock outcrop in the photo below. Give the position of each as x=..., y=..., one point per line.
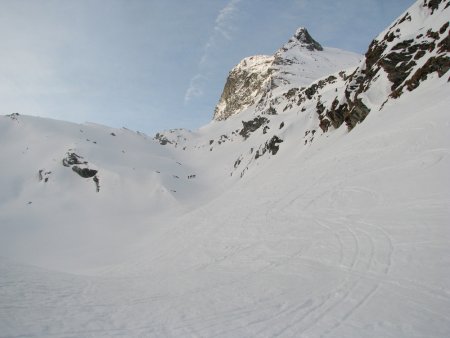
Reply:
x=245, y=83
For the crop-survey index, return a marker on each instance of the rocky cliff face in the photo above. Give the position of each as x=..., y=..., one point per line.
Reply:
x=303, y=74
x=415, y=48
x=299, y=62
x=246, y=82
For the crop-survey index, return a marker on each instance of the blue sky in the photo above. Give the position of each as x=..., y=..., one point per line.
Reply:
x=151, y=65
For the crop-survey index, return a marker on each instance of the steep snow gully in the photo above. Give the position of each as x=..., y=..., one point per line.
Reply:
x=318, y=206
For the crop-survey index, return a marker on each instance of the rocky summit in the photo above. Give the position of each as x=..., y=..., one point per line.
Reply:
x=297, y=63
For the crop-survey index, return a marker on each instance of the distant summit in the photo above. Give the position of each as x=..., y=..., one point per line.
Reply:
x=298, y=63
x=304, y=38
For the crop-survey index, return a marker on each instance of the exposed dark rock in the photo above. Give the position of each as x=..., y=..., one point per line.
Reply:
x=84, y=172
x=419, y=54
x=163, y=140
x=389, y=37
x=443, y=28
x=237, y=162
x=439, y=64
x=432, y=4
x=428, y=46
x=291, y=93
x=374, y=53
x=273, y=145
x=324, y=124
x=303, y=36
x=404, y=18
x=97, y=183
x=311, y=90
x=337, y=113
x=320, y=108
x=433, y=35
x=398, y=66
x=444, y=45
x=358, y=113
x=330, y=79
x=252, y=125
x=13, y=116
x=344, y=76
x=43, y=175
x=271, y=111
x=403, y=45
x=281, y=125
x=71, y=159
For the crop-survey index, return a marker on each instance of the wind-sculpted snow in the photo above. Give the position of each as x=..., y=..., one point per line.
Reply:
x=274, y=222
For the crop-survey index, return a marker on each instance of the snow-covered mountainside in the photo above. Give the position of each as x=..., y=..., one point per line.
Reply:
x=316, y=208
x=298, y=63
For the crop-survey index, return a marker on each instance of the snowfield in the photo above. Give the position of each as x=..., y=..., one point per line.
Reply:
x=332, y=234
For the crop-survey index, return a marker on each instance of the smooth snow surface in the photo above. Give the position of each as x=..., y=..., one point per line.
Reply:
x=349, y=238
x=338, y=234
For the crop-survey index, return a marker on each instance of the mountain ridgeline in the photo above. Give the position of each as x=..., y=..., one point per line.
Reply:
x=400, y=58
x=326, y=88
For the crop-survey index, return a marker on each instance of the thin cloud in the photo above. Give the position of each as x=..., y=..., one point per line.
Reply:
x=224, y=19
x=195, y=88
x=223, y=29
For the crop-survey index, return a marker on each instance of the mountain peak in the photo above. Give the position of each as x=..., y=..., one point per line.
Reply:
x=302, y=35
x=251, y=82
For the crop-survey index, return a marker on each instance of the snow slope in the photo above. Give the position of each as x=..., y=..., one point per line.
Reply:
x=292, y=230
